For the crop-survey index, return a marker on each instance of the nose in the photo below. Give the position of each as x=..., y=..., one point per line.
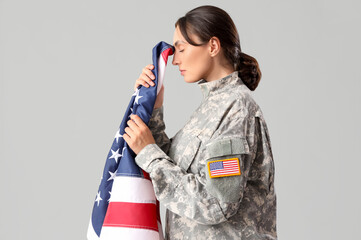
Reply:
x=175, y=60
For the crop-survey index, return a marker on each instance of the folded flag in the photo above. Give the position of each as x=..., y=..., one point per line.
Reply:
x=125, y=206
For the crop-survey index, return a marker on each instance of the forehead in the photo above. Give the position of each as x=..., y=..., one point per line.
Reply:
x=178, y=37
x=178, y=42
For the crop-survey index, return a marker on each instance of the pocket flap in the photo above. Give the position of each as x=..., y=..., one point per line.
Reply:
x=189, y=152
x=227, y=146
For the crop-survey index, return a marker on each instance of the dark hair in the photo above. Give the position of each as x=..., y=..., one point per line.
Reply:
x=208, y=21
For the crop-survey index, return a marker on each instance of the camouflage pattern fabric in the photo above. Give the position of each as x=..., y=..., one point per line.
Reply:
x=227, y=124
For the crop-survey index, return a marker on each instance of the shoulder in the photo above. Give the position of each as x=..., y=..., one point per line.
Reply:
x=243, y=103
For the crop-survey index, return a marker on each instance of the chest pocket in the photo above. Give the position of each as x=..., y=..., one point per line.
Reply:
x=184, y=150
x=189, y=152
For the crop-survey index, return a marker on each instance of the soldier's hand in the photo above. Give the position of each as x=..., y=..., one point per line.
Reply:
x=137, y=134
x=146, y=77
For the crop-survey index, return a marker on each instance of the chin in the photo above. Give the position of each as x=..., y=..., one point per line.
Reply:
x=189, y=80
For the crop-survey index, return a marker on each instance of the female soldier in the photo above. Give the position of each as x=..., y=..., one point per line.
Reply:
x=216, y=175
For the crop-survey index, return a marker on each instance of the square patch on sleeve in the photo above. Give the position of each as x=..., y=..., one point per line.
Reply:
x=224, y=168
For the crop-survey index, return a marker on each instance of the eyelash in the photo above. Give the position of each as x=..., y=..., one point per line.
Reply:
x=181, y=50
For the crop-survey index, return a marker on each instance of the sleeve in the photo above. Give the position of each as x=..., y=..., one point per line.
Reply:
x=205, y=199
x=157, y=127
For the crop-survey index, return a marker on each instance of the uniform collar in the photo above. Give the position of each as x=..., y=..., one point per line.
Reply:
x=209, y=88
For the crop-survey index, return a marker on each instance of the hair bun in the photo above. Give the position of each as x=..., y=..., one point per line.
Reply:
x=249, y=71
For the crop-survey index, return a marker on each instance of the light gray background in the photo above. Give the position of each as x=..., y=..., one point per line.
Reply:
x=67, y=70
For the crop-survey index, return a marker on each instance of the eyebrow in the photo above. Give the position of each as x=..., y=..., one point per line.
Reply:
x=177, y=42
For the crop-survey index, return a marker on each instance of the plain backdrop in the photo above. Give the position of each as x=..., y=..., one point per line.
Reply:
x=67, y=71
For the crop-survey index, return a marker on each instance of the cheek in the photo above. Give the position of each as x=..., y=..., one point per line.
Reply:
x=203, y=63
x=199, y=62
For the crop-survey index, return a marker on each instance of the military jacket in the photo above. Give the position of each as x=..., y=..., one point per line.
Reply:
x=228, y=126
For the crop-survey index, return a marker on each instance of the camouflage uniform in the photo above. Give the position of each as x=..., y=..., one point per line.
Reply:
x=227, y=124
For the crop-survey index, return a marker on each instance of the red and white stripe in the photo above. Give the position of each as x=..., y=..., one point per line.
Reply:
x=162, y=63
x=130, y=213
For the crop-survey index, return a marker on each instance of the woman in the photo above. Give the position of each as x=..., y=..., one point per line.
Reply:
x=216, y=175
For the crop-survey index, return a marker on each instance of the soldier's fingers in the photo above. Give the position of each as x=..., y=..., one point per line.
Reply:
x=138, y=120
x=132, y=125
x=129, y=131
x=126, y=138
x=144, y=76
x=148, y=73
x=150, y=66
x=145, y=81
x=141, y=81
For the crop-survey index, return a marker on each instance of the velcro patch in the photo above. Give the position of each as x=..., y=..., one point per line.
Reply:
x=224, y=168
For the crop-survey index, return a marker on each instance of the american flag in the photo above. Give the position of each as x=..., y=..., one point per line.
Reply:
x=125, y=205
x=224, y=167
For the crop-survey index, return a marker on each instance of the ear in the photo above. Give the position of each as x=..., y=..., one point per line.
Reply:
x=214, y=46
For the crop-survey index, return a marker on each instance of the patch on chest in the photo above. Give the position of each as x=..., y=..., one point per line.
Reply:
x=224, y=168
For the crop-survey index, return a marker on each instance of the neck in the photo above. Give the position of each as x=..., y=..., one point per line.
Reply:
x=218, y=71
